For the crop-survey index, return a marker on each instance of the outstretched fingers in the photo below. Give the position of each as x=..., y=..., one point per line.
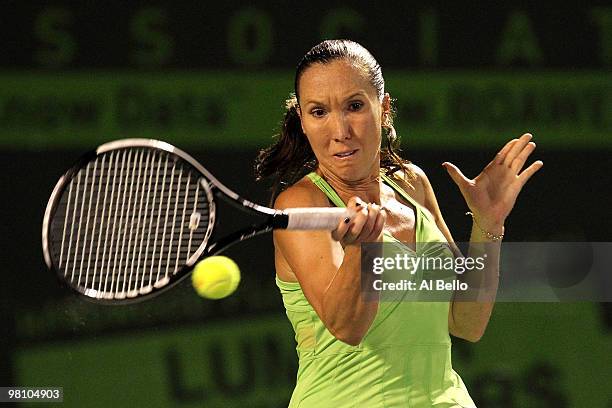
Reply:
x=519, y=161
x=457, y=175
x=499, y=157
x=530, y=171
x=517, y=148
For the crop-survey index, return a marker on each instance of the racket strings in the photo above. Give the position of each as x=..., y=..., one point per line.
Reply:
x=128, y=222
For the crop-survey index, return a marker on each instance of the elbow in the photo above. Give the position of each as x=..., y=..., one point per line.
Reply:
x=351, y=337
x=351, y=332
x=351, y=329
x=472, y=335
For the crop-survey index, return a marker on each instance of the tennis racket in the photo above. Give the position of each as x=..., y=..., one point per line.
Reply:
x=133, y=217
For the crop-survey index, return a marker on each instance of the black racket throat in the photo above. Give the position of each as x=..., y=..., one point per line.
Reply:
x=268, y=222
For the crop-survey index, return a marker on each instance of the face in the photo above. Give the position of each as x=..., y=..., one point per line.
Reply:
x=341, y=116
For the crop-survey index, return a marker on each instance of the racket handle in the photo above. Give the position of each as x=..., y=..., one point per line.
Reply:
x=315, y=218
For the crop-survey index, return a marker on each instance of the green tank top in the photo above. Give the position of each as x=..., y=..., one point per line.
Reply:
x=404, y=360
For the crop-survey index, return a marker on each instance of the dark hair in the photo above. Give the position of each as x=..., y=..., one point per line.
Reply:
x=291, y=157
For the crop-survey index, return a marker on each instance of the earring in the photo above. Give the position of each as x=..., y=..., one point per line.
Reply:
x=385, y=122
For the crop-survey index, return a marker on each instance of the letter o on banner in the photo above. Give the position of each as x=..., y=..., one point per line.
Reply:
x=249, y=37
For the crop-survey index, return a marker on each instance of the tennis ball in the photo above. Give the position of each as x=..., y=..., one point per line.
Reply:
x=216, y=277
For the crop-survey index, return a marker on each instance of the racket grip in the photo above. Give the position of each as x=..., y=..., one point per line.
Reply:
x=316, y=218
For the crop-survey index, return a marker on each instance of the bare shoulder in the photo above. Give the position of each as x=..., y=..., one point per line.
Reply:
x=301, y=194
x=291, y=249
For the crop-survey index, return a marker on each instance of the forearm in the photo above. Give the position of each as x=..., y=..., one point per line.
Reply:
x=471, y=310
x=347, y=310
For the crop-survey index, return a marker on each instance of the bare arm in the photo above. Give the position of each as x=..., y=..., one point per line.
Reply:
x=467, y=320
x=328, y=266
x=490, y=196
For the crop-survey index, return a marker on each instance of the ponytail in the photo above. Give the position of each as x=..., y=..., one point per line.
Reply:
x=390, y=160
x=290, y=157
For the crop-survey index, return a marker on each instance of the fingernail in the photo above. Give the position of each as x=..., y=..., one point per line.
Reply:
x=347, y=220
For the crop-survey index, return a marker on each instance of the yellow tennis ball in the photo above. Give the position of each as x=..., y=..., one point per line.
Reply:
x=215, y=277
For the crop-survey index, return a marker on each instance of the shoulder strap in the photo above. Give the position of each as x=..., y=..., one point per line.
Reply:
x=335, y=198
x=327, y=189
x=400, y=190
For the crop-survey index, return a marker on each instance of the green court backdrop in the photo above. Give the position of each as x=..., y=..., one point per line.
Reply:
x=533, y=355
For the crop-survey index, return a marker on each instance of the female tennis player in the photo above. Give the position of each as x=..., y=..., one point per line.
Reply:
x=355, y=352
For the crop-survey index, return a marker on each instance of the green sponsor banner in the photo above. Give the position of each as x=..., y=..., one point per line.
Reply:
x=540, y=355
x=464, y=110
x=190, y=109
x=249, y=363
x=244, y=109
x=533, y=355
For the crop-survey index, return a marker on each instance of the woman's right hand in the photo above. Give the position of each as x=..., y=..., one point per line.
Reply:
x=366, y=225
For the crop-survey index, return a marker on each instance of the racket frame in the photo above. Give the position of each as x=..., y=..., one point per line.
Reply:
x=211, y=185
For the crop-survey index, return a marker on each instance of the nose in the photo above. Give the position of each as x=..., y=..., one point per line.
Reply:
x=340, y=128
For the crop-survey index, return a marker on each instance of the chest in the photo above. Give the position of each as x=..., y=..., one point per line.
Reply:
x=401, y=220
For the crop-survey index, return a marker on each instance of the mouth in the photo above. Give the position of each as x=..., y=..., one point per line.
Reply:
x=348, y=153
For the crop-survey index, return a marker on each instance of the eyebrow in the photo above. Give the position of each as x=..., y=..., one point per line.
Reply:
x=312, y=101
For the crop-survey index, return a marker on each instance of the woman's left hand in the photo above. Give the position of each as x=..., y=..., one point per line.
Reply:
x=492, y=194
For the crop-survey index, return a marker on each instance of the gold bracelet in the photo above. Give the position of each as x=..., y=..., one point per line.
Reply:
x=493, y=237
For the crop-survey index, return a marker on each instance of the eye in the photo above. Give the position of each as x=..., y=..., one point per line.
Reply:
x=355, y=106
x=317, y=112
